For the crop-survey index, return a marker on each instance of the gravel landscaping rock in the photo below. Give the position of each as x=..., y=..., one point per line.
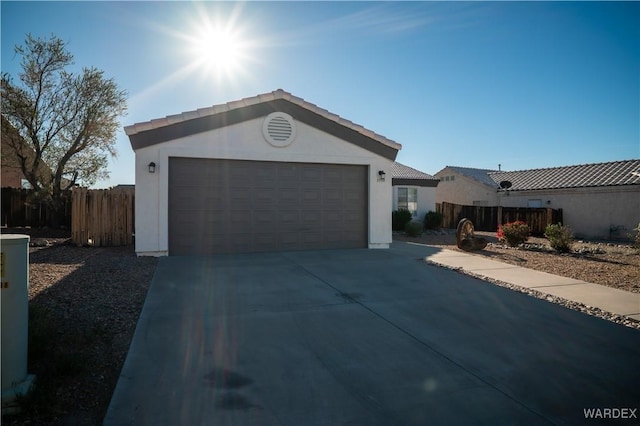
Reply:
x=84, y=304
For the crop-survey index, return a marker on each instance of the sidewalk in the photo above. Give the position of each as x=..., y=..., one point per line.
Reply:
x=606, y=298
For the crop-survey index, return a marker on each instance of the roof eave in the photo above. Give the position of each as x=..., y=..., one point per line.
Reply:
x=431, y=183
x=162, y=130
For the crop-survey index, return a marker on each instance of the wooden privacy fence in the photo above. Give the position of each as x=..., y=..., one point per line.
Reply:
x=19, y=210
x=488, y=218
x=102, y=217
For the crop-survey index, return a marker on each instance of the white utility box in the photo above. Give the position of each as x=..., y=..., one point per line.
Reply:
x=14, y=319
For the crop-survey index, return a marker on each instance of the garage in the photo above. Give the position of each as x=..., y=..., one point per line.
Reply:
x=266, y=173
x=236, y=206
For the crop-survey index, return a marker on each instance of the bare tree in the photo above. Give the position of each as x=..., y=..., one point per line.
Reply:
x=65, y=121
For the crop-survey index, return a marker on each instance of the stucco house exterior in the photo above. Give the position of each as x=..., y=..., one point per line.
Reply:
x=413, y=190
x=466, y=186
x=600, y=200
x=270, y=172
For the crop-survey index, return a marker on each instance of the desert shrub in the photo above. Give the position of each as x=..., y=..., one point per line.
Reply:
x=432, y=220
x=413, y=228
x=560, y=237
x=400, y=218
x=514, y=233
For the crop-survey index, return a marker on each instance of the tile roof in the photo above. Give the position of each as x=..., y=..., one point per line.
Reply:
x=613, y=173
x=400, y=171
x=481, y=175
x=262, y=98
x=405, y=175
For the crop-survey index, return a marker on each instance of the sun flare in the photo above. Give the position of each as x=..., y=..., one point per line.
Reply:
x=218, y=50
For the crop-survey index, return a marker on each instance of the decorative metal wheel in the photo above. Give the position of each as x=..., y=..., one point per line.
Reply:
x=466, y=239
x=465, y=231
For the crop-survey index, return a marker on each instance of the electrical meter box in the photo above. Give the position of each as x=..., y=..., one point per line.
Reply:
x=14, y=319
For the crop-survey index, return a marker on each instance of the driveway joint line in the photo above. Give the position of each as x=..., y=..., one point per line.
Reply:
x=425, y=344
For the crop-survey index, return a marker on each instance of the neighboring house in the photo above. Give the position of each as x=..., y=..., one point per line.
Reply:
x=599, y=200
x=413, y=190
x=11, y=173
x=466, y=186
x=270, y=172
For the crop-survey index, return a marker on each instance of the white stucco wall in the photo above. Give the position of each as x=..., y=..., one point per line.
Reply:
x=244, y=141
x=590, y=212
x=463, y=190
x=426, y=199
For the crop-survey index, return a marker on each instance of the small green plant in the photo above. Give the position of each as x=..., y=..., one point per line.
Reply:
x=413, y=228
x=432, y=220
x=400, y=218
x=514, y=233
x=560, y=237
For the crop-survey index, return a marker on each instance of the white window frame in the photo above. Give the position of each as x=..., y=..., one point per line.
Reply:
x=410, y=202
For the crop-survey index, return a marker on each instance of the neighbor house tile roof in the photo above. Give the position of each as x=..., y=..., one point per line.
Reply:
x=613, y=173
x=401, y=171
x=252, y=101
x=481, y=175
x=405, y=175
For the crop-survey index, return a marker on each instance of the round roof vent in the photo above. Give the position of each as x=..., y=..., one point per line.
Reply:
x=279, y=129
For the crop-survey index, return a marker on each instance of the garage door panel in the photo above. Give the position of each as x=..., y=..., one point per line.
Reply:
x=311, y=216
x=265, y=217
x=227, y=206
x=332, y=195
x=312, y=197
x=239, y=218
x=207, y=219
x=289, y=218
x=288, y=241
x=288, y=195
x=265, y=197
x=288, y=173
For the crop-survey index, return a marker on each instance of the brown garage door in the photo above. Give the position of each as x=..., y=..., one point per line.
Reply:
x=232, y=206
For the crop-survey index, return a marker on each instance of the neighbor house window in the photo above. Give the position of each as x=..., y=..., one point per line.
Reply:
x=408, y=200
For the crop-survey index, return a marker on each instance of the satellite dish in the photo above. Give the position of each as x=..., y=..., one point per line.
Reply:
x=505, y=184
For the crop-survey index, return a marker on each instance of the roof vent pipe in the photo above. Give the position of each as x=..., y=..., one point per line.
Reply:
x=499, y=167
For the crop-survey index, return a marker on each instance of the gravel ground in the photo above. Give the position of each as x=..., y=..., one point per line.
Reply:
x=84, y=304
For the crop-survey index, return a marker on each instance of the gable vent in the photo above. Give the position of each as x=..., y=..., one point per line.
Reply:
x=279, y=129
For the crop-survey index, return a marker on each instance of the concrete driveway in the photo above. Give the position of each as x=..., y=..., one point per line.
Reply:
x=363, y=337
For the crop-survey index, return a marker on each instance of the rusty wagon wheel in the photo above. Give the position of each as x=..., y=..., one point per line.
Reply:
x=464, y=232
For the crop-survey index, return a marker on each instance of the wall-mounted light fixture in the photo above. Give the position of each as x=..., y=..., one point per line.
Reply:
x=381, y=175
x=152, y=167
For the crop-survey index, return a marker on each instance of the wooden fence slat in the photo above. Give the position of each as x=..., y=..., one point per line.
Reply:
x=103, y=217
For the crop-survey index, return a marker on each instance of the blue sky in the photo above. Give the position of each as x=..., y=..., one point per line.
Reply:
x=524, y=84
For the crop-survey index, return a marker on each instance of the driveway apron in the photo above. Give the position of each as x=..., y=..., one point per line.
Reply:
x=362, y=337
